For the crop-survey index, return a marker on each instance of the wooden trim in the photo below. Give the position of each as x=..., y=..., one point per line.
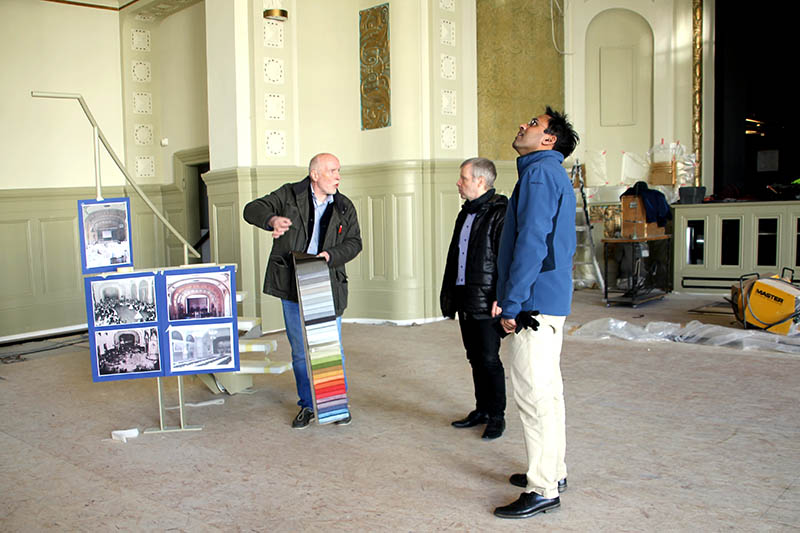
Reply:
x=86, y=4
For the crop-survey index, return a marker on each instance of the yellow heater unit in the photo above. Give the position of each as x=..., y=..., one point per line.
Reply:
x=772, y=304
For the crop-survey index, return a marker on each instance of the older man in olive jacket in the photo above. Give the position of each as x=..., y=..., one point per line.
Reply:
x=309, y=216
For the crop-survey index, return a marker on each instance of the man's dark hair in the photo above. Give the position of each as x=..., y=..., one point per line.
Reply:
x=566, y=137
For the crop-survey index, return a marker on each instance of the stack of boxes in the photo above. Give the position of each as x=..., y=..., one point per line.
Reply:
x=634, y=220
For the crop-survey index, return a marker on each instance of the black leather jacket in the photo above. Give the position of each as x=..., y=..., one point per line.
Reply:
x=476, y=297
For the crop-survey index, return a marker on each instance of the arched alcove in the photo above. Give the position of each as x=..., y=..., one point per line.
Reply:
x=619, y=87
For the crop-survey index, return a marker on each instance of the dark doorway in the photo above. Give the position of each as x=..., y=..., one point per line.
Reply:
x=756, y=152
x=203, y=244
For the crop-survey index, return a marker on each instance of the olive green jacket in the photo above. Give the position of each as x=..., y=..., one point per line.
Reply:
x=342, y=240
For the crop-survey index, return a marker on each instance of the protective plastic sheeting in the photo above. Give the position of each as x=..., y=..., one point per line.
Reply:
x=695, y=332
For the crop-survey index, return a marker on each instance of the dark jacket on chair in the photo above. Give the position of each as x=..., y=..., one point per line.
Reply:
x=479, y=291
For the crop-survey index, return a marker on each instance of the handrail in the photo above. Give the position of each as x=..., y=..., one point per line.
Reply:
x=98, y=134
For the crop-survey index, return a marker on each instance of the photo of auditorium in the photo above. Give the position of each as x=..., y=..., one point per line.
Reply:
x=199, y=295
x=127, y=351
x=105, y=231
x=205, y=348
x=124, y=300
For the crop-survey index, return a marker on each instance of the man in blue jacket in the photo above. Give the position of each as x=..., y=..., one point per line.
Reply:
x=534, y=296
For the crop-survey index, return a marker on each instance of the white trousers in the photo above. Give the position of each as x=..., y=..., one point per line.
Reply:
x=535, y=369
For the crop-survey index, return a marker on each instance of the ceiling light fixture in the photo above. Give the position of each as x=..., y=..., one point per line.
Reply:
x=276, y=14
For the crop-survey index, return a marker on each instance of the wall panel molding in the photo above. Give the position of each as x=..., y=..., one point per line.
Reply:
x=42, y=284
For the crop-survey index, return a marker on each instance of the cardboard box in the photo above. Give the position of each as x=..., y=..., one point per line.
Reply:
x=641, y=230
x=634, y=220
x=662, y=174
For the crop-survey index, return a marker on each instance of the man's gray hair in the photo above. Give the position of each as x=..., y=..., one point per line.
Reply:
x=482, y=167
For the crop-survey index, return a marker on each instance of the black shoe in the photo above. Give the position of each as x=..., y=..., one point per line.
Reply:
x=303, y=418
x=473, y=419
x=494, y=428
x=521, y=480
x=528, y=504
x=344, y=421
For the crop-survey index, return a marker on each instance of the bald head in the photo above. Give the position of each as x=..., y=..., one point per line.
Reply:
x=323, y=169
x=319, y=160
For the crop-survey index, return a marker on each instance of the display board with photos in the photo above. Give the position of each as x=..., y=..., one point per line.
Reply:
x=105, y=232
x=163, y=323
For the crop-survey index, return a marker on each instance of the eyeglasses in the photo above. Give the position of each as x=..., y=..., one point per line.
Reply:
x=534, y=121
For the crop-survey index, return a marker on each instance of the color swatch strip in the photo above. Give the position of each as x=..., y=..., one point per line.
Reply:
x=324, y=360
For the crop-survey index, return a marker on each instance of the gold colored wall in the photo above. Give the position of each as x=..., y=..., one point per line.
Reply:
x=519, y=70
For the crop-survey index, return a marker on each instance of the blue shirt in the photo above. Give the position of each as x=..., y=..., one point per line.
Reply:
x=463, y=244
x=319, y=210
x=534, y=264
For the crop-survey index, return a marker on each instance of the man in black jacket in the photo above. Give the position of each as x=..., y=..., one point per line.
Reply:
x=309, y=216
x=468, y=287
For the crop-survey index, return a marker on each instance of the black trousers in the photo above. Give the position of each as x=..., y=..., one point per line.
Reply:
x=482, y=343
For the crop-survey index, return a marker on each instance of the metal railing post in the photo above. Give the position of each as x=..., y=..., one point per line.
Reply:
x=118, y=162
x=96, y=144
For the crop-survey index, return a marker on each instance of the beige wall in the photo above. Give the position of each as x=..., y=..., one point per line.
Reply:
x=319, y=76
x=46, y=46
x=42, y=284
x=671, y=25
x=180, y=52
x=401, y=177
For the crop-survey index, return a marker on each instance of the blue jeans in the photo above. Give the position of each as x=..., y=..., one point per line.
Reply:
x=294, y=332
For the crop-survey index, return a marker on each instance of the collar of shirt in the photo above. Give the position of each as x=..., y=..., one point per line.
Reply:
x=317, y=203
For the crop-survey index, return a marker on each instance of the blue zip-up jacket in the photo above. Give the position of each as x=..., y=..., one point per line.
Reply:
x=538, y=240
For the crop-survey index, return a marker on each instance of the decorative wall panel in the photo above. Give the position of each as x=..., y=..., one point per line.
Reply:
x=376, y=225
x=17, y=267
x=140, y=40
x=517, y=77
x=60, y=255
x=143, y=134
x=617, y=94
x=449, y=102
x=142, y=103
x=145, y=166
x=447, y=32
x=276, y=143
x=147, y=235
x=275, y=106
x=273, y=70
x=141, y=71
x=449, y=138
x=225, y=242
x=273, y=34
x=447, y=66
x=375, y=71
x=402, y=228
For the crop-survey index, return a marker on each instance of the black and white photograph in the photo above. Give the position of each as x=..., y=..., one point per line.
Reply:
x=202, y=348
x=127, y=300
x=122, y=352
x=198, y=295
x=105, y=234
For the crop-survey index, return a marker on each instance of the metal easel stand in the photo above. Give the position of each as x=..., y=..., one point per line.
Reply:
x=183, y=427
x=168, y=429
x=97, y=138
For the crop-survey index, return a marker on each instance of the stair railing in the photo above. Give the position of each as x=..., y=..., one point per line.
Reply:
x=100, y=137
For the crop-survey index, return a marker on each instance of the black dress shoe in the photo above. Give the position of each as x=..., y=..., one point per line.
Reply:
x=521, y=480
x=528, y=504
x=473, y=419
x=494, y=428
